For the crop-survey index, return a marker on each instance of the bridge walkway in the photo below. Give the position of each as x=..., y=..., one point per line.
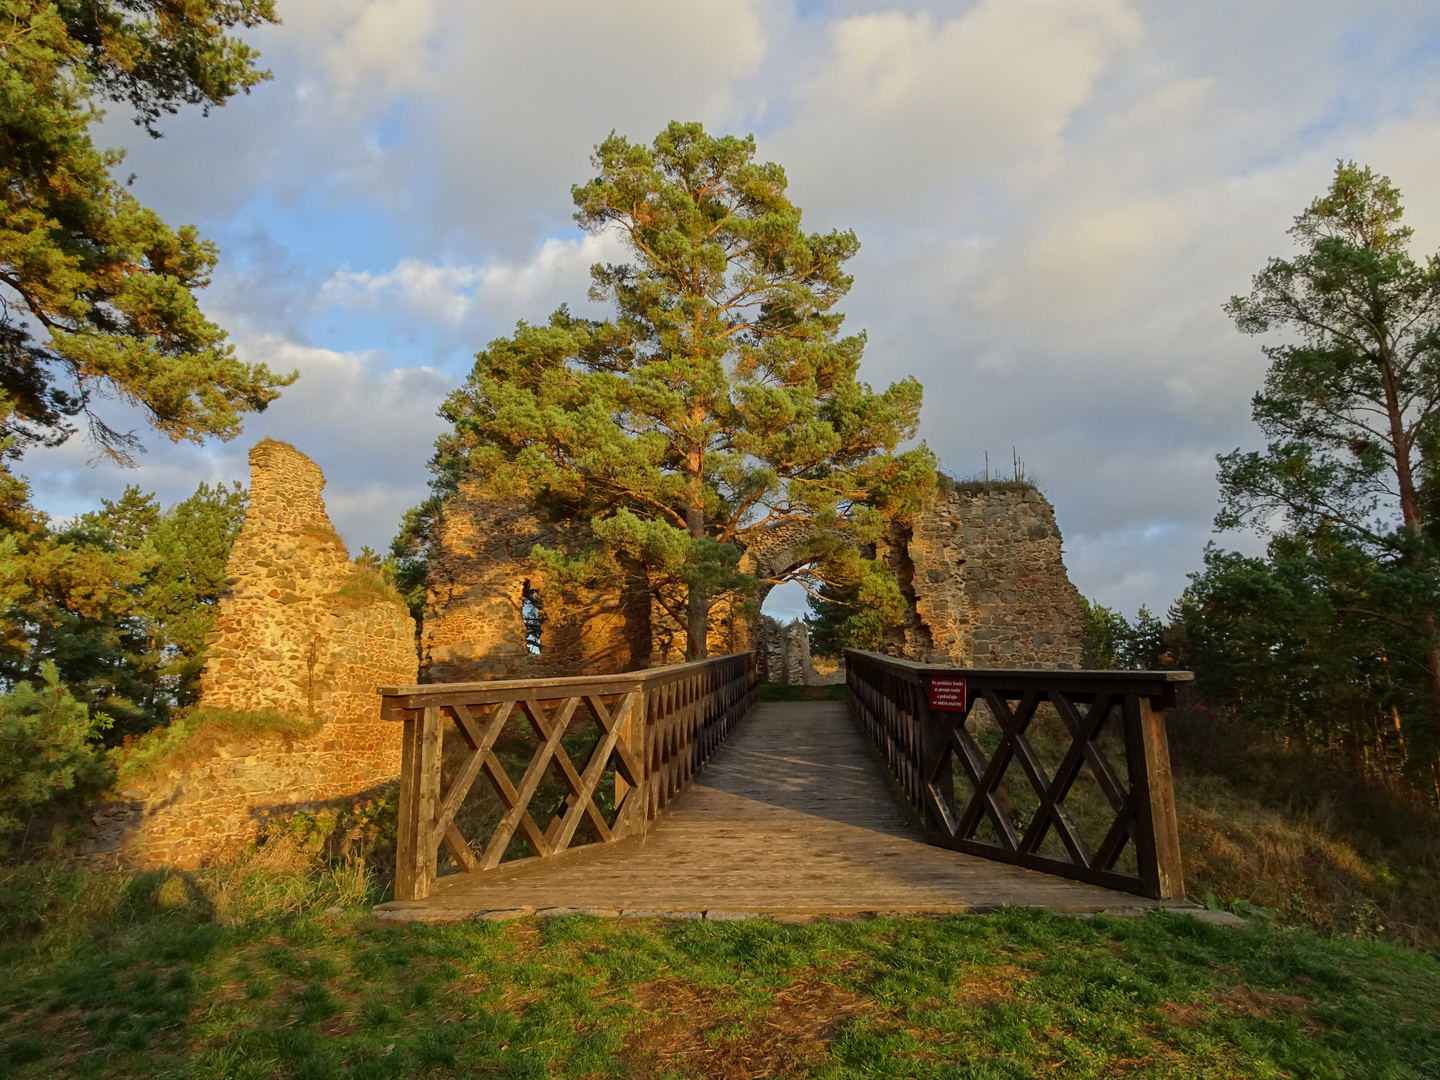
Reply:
x=792, y=818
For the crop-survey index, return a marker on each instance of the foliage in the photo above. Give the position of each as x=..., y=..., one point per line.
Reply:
x=137, y=977
x=362, y=833
x=720, y=398
x=1109, y=640
x=1271, y=639
x=409, y=555
x=1314, y=836
x=1350, y=405
x=370, y=580
x=47, y=747
x=773, y=691
x=193, y=736
x=1350, y=408
x=1103, y=634
x=121, y=600
x=853, y=608
x=109, y=284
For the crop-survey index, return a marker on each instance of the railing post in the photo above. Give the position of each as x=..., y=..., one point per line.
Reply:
x=933, y=737
x=415, y=846
x=407, y=830
x=632, y=733
x=1160, y=793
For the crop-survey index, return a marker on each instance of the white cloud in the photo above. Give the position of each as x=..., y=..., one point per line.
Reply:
x=903, y=101
x=444, y=292
x=384, y=41
x=369, y=426
x=494, y=295
x=1055, y=199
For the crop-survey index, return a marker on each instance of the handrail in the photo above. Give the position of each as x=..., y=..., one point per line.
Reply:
x=919, y=717
x=656, y=728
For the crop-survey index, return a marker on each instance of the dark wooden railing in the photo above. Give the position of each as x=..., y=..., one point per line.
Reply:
x=656, y=728
x=924, y=719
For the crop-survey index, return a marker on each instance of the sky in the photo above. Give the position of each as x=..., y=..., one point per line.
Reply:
x=1054, y=198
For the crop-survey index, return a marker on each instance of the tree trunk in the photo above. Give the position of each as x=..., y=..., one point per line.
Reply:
x=698, y=604
x=1401, y=445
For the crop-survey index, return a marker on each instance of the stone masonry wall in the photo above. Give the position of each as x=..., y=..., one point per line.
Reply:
x=301, y=631
x=981, y=568
x=479, y=572
x=984, y=572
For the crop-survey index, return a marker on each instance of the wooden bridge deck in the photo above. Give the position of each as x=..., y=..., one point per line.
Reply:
x=792, y=818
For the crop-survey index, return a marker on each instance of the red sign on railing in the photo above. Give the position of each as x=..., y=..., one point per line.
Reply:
x=947, y=693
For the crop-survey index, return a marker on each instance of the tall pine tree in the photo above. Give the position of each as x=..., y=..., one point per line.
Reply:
x=720, y=398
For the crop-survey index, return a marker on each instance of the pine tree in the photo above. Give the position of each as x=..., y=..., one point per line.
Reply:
x=1351, y=405
x=109, y=287
x=719, y=399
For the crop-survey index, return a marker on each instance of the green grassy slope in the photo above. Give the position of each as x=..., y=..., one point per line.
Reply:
x=206, y=975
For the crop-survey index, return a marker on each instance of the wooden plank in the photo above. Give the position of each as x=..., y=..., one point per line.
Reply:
x=568, y=774
x=521, y=796
x=794, y=816
x=1170, y=876
x=564, y=686
x=628, y=764
x=407, y=833
x=460, y=849
x=427, y=798
x=593, y=771
x=511, y=798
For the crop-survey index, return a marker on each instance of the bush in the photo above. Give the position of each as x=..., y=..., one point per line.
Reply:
x=47, y=748
x=365, y=830
x=1326, y=842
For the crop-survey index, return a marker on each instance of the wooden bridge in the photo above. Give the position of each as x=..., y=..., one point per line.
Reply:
x=929, y=790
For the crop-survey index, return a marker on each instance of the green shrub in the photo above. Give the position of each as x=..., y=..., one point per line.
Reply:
x=364, y=586
x=47, y=747
x=366, y=829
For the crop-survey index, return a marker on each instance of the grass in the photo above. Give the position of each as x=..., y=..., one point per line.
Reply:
x=136, y=977
x=363, y=587
x=1320, y=842
x=1324, y=842
x=193, y=737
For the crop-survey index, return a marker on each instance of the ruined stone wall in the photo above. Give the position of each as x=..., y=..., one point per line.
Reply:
x=985, y=576
x=981, y=568
x=782, y=655
x=474, y=627
x=299, y=630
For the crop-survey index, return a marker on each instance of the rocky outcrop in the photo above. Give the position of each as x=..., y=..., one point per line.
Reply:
x=301, y=631
x=782, y=655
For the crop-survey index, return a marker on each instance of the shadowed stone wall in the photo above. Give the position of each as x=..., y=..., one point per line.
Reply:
x=299, y=630
x=981, y=568
x=479, y=573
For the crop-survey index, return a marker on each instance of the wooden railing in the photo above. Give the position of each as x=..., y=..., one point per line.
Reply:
x=656, y=728
x=1056, y=745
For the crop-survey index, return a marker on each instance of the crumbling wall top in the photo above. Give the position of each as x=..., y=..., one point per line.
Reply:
x=285, y=488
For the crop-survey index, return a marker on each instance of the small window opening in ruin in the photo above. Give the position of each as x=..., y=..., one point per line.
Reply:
x=534, y=615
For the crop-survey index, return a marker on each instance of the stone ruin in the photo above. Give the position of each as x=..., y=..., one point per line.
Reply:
x=303, y=631
x=981, y=569
x=300, y=630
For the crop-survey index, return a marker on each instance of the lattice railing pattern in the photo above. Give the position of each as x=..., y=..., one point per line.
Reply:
x=655, y=729
x=1121, y=710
